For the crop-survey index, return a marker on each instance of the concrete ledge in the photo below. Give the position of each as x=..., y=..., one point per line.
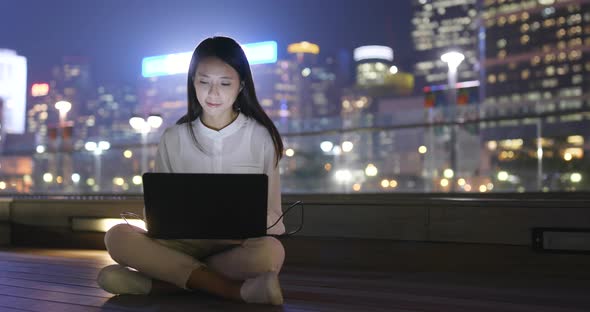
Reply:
x=5, y=219
x=58, y=213
x=499, y=224
x=5, y=204
x=409, y=217
x=404, y=256
x=490, y=219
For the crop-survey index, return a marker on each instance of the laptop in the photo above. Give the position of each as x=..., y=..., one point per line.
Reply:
x=205, y=206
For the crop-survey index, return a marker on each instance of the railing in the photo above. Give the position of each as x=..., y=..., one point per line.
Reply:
x=529, y=148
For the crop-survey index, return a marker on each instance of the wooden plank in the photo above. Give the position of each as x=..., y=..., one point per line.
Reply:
x=70, y=281
x=55, y=260
x=52, y=296
x=90, y=255
x=522, y=296
x=372, y=298
x=28, y=304
x=40, y=285
x=48, y=269
x=553, y=288
x=189, y=302
x=100, y=257
x=575, y=298
x=48, y=273
x=7, y=309
x=50, y=279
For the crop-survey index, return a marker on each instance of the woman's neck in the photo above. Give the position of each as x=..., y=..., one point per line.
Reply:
x=218, y=123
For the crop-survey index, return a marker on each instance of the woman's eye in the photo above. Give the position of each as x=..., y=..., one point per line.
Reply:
x=203, y=82
x=226, y=84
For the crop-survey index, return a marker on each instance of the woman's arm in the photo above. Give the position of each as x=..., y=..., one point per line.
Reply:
x=274, y=189
x=162, y=160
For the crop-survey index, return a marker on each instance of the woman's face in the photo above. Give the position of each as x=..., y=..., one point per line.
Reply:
x=217, y=86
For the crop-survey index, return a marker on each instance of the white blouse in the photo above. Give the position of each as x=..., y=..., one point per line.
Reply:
x=244, y=146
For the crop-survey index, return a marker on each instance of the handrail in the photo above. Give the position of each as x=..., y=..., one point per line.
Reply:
x=441, y=123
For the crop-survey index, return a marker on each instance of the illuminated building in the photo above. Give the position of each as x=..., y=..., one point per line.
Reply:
x=315, y=79
x=13, y=101
x=40, y=103
x=373, y=64
x=171, y=64
x=108, y=112
x=302, y=86
x=537, y=50
x=13, y=91
x=55, y=137
x=69, y=82
x=440, y=26
x=16, y=173
x=537, y=56
x=277, y=88
x=303, y=49
x=377, y=74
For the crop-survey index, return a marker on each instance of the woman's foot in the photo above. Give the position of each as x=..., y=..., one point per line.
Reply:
x=120, y=280
x=264, y=288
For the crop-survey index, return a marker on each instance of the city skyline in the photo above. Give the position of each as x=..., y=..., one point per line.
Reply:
x=116, y=36
x=394, y=133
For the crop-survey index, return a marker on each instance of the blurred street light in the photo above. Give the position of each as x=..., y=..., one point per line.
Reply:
x=453, y=60
x=63, y=107
x=144, y=126
x=97, y=148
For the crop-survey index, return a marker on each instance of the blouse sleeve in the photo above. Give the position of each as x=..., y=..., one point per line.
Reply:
x=162, y=160
x=274, y=189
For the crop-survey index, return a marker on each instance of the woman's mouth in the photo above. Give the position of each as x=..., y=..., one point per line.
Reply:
x=213, y=104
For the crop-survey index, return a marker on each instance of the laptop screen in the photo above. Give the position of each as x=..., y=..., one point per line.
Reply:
x=205, y=206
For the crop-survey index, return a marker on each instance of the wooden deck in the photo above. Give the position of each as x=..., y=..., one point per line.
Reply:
x=64, y=280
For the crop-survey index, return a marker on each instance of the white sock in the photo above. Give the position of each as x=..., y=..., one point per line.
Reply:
x=264, y=288
x=118, y=279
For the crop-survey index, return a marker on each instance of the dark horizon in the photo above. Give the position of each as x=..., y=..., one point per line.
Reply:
x=116, y=36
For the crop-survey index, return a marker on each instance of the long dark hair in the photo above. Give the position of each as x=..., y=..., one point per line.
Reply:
x=229, y=51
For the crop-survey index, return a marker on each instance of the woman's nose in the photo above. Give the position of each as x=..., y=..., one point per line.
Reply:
x=213, y=90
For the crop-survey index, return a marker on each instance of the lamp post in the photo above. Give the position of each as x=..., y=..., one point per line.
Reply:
x=97, y=149
x=144, y=126
x=64, y=160
x=453, y=60
x=63, y=107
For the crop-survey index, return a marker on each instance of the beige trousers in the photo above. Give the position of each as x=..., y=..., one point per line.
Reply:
x=173, y=261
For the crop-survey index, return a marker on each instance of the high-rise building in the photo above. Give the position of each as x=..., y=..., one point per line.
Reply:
x=315, y=77
x=56, y=129
x=377, y=75
x=38, y=111
x=438, y=27
x=13, y=92
x=108, y=113
x=302, y=86
x=73, y=83
x=538, y=51
x=276, y=88
x=13, y=95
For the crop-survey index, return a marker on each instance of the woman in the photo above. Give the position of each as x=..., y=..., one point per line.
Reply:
x=224, y=131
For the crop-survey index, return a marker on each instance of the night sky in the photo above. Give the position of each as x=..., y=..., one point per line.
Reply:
x=117, y=34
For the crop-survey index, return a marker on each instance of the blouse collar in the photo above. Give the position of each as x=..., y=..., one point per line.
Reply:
x=228, y=130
